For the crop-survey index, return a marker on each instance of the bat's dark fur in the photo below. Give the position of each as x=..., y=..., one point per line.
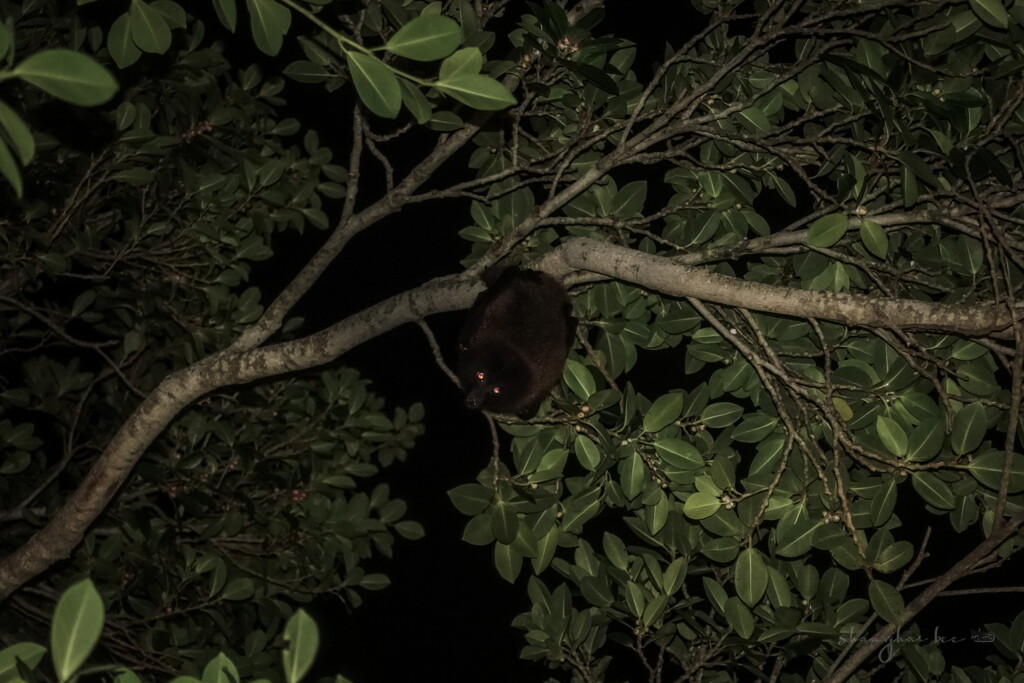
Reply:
x=514, y=342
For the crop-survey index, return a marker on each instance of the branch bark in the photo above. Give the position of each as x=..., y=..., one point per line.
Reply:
x=670, y=277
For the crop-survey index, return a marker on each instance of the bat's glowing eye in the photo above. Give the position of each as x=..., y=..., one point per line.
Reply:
x=480, y=376
x=495, y=390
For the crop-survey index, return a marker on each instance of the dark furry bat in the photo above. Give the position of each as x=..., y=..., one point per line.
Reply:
x=514, y=342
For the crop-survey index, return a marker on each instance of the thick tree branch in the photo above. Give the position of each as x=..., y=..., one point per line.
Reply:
x=668, y=277
x=65, y=530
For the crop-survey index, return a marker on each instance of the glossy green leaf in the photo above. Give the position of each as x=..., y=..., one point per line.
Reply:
x=269, y=21
x=718, y=415
x=9, y=169
x=632, y=475
x=988, y=469
x=465, y=62
x=504, y=522
x=874, y=238
x=30, y=655
x=470, y=499
x=578, y=378
x=991, y=12
x=892, y=435
x=701, y=505
x=968, y=428
x=934, y=491
x=227, y=13
x=376, y=84
x=426, y=38
x=220, y=669
x=148, y=28
x=679, y=454
x=303, y=641
x=477, y=91
x=739, y=617
x=887, y=602
x=751, y=576
x=663, y=412
x=926, y=440
x=121, y=44
x=17, y=131
x=755, y=428
x=507, y=561
x=827, y=230
x=68, y=75
x=76, y=627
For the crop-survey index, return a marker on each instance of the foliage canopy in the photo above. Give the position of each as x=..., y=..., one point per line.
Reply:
x=810, y=210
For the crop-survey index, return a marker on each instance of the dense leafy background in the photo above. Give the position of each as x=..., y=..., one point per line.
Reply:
x=717, y=490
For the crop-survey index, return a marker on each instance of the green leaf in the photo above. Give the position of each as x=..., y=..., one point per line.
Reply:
x=632, y=475
x=477, y=91
x=884, y=502
x=227, y=13
x=894, y=557
x=739, y=617
x=827, y=230
x=701, y=505
x=751, y=576
x=664, y=411
x=579, y=508
x=375, y=83
x=241, y=588
x=991, y=12
x=578, y=378
x=303, y=641
x=968, y=428
x=988, y=469
x=887, y=601
x=417, y=104
x=919, y=168
x=30, y=655
x=718, y=415
x=934, y=491
x=305, y=71
x=466, y=62
x=426, y=38
x=507, y=561
x=874, y=238
x=586, y=452
x=892, y=435
x=121, y=44
x=9, y=169
x=269, y=22
x=629, y=201
x=504, y=522
x=220, y=669
x=755, y=428
x=926, y=440
x=614, y=550
x=68, y=75
x=5, y=39
x=470, y=499
x=679, y=454
x=149, y=30
x=17, y=131
x=77, y=623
